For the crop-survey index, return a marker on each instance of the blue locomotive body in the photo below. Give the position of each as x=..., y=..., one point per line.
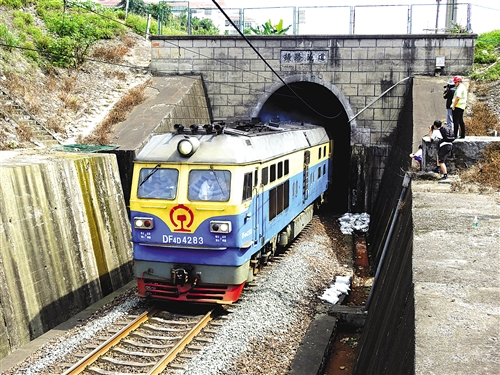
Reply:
x=209, y=206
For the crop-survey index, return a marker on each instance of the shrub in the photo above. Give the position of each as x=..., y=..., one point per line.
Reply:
x=15, y=4
x=30, y=51
x=6, y=37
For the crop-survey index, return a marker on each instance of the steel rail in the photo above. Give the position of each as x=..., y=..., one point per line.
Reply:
x=169, y=357
x=105, y=347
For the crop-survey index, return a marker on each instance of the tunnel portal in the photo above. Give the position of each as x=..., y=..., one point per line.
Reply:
x=311, y=102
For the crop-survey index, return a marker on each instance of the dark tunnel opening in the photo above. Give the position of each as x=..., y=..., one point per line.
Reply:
x=319, y=106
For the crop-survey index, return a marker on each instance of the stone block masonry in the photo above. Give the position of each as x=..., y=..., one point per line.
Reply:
x=356, y=68
x=64, y=234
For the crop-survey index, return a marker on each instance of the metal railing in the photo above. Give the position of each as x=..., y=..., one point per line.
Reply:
x=443, y=17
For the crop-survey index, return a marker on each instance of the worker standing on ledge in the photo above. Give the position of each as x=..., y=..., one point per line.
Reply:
x=458, y=106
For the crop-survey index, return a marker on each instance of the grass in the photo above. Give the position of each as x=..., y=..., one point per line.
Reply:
x=485, y=174
x=483, y=122
x=487, y=57
x=102, y=133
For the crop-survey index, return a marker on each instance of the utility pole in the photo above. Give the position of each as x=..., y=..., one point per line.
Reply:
x=437, y=16
x=451, y=14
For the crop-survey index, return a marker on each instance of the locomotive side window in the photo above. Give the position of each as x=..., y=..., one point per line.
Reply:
x=158, y=183
x=209, y=185
x=286, y=194
x=247, y=186
x=272, y=176
x=319, y=153
x=279, y=199
x=265, y=176
x=324, y=151
x=272, y=203
x=256, y=178
x=287, y=167
x=280, y=169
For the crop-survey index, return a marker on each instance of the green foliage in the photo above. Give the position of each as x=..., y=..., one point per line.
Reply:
x=6, y=37
x=458, y=29
x=490, y=74
x=15, y=4
x=42, y=6
x=203, y=27
x=269, y=29
x=30, y=52
x=492, y=37
x=198, y=26
x=485, y=53
x=22, y=20
x=137, y=23
x=487, y=57
x=61, y=52
x=137, y=7
x=162, y=12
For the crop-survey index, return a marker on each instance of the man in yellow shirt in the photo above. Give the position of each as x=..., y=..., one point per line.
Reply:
x=458, y=106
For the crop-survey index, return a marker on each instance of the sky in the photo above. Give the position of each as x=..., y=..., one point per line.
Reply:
x=333, y=16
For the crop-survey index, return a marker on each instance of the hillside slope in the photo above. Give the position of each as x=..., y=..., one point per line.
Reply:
x=69, y=102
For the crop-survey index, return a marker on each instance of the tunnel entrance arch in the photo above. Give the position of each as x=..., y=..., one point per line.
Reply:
x=317, y=104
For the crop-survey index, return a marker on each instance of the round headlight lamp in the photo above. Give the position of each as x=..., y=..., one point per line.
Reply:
x=188, y=146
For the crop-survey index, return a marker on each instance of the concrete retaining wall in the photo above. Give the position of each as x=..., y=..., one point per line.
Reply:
x=63, y=239
x=465, y=153
x=387, y=341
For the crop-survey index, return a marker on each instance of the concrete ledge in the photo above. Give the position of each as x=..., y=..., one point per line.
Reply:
x=466, y=152
x=314, y=349
x=352, y=315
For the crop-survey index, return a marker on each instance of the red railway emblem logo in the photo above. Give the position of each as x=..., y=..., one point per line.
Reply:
x=182, y=218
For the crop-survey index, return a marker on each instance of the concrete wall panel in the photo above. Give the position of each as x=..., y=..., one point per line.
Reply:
x=63, y=236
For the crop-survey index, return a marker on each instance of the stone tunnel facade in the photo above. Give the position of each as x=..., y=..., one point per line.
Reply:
x=370, y=76
x=356, y=69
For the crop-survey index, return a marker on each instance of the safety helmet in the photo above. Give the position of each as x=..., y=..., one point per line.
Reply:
x=457, y=79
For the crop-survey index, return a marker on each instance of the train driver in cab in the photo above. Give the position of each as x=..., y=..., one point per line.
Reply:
x=213, y=189
x=207, y=189
x=160, y=191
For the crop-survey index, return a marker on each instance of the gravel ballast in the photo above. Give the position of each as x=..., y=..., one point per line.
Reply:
x=264, y=329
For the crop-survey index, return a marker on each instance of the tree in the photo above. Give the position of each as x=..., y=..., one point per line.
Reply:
x=134, y=6
x=268, y=29
x=203, y=26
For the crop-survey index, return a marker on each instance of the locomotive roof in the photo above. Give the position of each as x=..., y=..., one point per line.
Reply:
x=237, y=143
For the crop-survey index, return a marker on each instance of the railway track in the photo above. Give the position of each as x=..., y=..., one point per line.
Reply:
x=146, y=345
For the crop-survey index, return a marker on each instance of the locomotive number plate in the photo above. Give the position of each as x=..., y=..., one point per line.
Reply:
x=183, y=240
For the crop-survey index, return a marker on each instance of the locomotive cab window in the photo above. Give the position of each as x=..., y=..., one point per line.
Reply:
x=247, y=186
x=209, y=185
x=158, y=183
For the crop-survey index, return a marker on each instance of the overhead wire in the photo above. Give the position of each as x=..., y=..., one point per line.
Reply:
x=176, y=45
x=269, y=66
x=208, y=57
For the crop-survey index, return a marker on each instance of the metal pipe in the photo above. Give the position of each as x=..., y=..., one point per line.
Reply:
x=406, y=183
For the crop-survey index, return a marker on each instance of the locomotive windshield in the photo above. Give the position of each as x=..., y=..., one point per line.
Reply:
x=161, y=184
x=209, y=185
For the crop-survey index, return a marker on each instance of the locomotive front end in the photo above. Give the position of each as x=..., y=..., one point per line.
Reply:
x=186, y=226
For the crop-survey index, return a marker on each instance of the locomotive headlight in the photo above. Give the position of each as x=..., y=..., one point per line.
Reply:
x=143, y=223
x=220, y=227
x=188, y=146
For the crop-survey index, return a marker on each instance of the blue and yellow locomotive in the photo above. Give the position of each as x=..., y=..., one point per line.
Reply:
x=211, y=204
